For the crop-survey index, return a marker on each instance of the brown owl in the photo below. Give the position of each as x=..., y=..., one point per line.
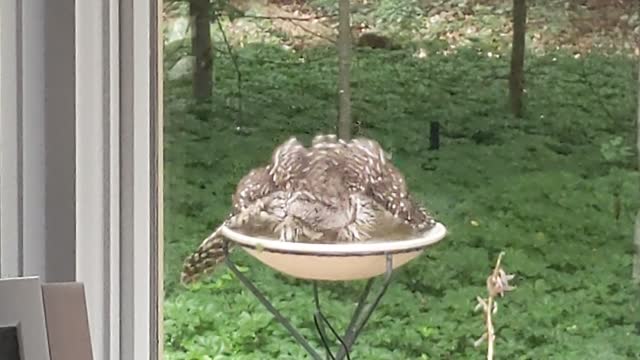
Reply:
x=333, y=191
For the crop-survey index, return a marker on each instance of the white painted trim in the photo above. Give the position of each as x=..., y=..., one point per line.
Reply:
x=32, y=98
x=10, y=138
x=139, y=195
x=36, y=195
x=59, y=133
x=157, y=135
x=92, y=211
x=134, y=186
x=115, y=175
x=112, y=166
x=118, y=145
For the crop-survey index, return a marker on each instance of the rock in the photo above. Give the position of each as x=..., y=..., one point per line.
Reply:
x=176, y=29
x=181, y=69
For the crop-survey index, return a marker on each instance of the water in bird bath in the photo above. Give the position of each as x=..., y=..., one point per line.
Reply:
x=386, y=229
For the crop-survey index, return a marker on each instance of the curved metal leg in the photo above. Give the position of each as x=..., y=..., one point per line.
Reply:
x=263, y=300
x=320, y=321
x=320, y=325
x=359, y=318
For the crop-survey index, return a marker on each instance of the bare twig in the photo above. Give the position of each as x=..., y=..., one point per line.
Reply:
x=288, y=18
x=234, y=59
x=316, y=34
x=497, y=284
x=295, y=21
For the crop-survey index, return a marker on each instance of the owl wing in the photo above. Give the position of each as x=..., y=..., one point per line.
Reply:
x=289, y=163
x=257, y=193
x=371, y=171
x=339, y=207
x=253, y=186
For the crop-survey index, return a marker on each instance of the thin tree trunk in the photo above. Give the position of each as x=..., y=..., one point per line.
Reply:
x=516, y=78
x=636, y=258
x=344, y=66
x=636, y=237
x=202, y=49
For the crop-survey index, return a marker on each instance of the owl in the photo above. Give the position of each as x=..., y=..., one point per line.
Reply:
x=334, y=190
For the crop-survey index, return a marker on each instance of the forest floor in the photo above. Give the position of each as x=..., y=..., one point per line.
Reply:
x=557, y=190
x=577, y=26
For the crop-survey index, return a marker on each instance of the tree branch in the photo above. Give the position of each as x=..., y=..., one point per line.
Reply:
x=344, y=71
x=636, y=236
x=313, y=33
x=234, y=60
x=287, y=18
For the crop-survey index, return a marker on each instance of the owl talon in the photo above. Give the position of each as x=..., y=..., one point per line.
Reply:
x=247, y=214
x=288, y=229
x=312, y=235
x=269, y=218
x=351, y=233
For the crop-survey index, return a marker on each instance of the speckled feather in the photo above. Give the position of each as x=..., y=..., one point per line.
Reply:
x=333, y=189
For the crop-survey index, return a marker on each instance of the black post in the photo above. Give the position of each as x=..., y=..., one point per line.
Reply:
x=434, y=135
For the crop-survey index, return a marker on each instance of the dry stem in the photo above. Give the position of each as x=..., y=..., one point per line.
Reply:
x=497, y=284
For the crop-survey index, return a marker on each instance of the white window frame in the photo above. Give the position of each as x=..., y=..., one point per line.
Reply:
x=81, y=160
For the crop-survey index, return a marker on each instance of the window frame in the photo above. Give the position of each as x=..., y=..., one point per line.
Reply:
x=103, y=85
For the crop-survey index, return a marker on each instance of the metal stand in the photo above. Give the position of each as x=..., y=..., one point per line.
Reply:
x=359, y=318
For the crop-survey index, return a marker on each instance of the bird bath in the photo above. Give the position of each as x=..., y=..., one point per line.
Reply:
x=331, y=262
x=337, y=262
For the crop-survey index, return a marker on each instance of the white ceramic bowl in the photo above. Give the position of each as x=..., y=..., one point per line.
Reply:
x=338, y=262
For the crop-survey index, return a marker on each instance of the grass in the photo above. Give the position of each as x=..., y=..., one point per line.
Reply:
x=538, y=188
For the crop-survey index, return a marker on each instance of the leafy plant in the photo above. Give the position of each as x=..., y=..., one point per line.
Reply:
x=539, y=189
x=615, y=150
x=401, y=14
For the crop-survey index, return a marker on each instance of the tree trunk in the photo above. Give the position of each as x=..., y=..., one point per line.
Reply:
x=636, y=258
x=516, y=78
x=344, y=66
x=200, y=11
x=636, y=237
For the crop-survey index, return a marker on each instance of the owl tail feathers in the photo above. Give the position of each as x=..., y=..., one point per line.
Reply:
x=205, y=259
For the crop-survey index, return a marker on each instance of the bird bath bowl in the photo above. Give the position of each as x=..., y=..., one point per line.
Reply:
x=337, y=262
x=333, y=262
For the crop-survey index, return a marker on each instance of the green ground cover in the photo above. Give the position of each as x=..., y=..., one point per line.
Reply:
x=542, y=188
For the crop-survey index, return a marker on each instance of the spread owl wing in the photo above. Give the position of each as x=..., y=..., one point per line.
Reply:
x=253, y=186
x=370, y=168
x=260, y=194
x=287, y=164
x=342, y=173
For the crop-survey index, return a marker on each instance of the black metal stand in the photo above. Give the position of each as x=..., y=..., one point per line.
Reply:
x=359, y=318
